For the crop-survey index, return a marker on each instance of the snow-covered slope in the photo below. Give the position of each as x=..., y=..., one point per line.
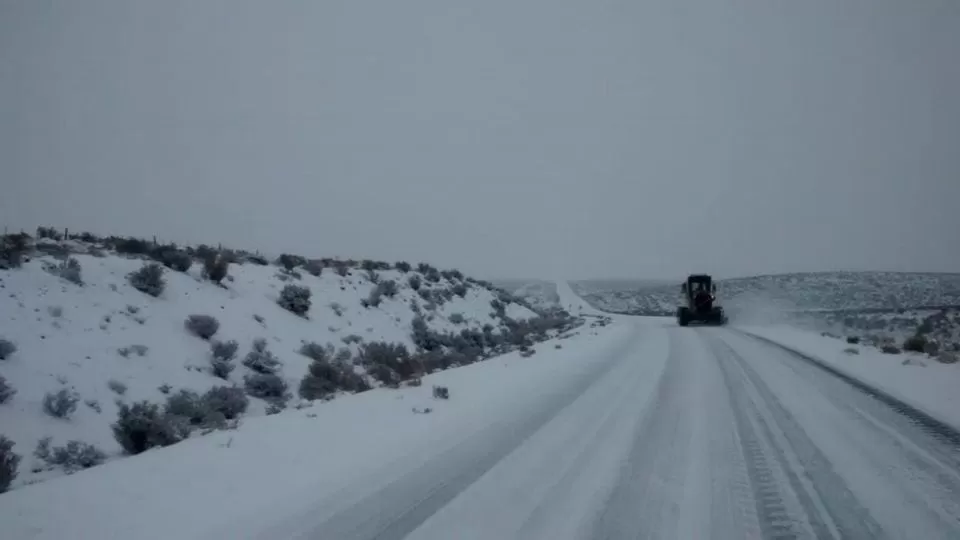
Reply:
x=105, y=341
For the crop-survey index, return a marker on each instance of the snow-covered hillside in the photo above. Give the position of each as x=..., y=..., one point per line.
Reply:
x=538, y=293
x=801, y=291
x=106, y=344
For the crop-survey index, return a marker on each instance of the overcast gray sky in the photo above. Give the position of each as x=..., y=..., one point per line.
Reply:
x=539, y=138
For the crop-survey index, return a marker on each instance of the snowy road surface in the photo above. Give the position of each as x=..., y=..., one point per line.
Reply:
x=692, y=433
x=638, y=430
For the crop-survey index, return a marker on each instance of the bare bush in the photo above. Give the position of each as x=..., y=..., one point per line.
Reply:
x=202, y=326
x=402, y=266
x=295, y=299
x=441, y=392
x=457, y=318
x=60, y=404
x=460, y=290
x=352, y=338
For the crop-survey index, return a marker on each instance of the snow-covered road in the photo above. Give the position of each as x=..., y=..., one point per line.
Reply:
x=639, y=430
x=690, y=433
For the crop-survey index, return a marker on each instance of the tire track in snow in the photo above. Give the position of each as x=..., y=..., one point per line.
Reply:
x=777, y=445
x=684, y=477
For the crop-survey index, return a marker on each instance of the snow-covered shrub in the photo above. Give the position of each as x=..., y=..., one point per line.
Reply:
x=61, y=404
x=221, y=358
x=13, y=247
x=131, y=246
x=215, y=267
x=457, y=318
x=6, y=391
x=118, y=387
x=890, y=349
x=423, y=337
x=415, y=282
x=337, y=308
x=148, y=279
x=316, y=352
x=202, y=326
x=402, y=266
x=261, y=360
x=289, y=261
x=266, y=386
x=7, y=348
x=341, y=269
x=93, y=404
x=343, y=356
x=172, y=258
x=853, y=340
x=207, y=411
x=384, y=360
x=141, y=426
x=374, y=299
x=257, y=259
x=229, y=401
x=459, y=289
x=915, y=343
x=295, y=299
x=433, y=275
x=224, y=350
x=352, y=338
x=76, y=455
x=314, y=267
x=388, y=288
x=49, y=232
x=71, y=271
x=947, y=357
x=8, y=464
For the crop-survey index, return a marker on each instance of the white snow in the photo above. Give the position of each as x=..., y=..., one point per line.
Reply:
x=921, y=382
x=78, y=348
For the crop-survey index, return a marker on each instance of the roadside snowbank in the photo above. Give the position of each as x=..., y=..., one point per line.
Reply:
x=914, y=378
x=224, y=484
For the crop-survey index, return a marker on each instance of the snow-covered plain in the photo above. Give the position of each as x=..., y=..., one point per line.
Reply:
x=71, y=336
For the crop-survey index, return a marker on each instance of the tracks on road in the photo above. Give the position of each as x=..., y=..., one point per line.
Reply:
x=692, y=433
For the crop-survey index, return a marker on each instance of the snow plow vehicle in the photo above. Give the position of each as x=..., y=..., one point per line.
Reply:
x=699, y=295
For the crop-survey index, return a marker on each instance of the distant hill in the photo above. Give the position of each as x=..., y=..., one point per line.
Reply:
x=831, y=291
